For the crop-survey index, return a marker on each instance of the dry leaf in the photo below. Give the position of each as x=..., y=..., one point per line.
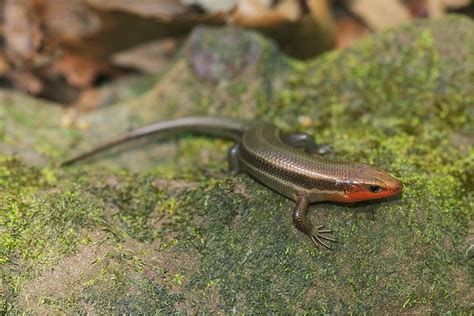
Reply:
x=25, y=81
x=150, y=57
x=68, y=20
x=21, y=30
x=79, y=71
x=303, y=29
x=436, y=8
x=258, y=13
x=4, y=66
x=380, y=14
x=212, y=6
x=163, y=9
x=456, y=4
x=125, y=24
x=425, y=8
x=349, y=30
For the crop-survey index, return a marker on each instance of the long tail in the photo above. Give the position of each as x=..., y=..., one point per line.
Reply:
x=222, y=127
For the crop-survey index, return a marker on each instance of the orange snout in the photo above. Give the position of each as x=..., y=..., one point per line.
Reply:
x=359, y=192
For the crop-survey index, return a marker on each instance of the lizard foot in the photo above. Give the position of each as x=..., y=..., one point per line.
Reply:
x=319, y=237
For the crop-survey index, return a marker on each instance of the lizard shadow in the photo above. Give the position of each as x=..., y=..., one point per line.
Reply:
x=367, y=208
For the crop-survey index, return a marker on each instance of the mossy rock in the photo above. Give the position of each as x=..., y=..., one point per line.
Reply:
x=164, y=228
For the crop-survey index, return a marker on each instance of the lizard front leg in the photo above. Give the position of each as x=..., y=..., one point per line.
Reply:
x=233, y=159
x=301, y=221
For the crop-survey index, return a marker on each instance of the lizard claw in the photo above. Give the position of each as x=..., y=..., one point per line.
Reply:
x=319, y=237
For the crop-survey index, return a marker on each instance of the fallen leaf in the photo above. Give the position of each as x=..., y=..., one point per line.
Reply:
x=436, y=8
x=303, y=28
x=25, y=81
x=456, y=4
x=212, y=6
x=257, y=13
x=79, y=71
x=380, y=14
x=425, y=8
x=349, y=30
x=4, y=66
x=150, y=57
x=21, y=31
x=68, y=21
x=164, y=9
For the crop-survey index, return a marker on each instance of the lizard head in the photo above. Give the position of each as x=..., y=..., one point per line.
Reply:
x=365, y=182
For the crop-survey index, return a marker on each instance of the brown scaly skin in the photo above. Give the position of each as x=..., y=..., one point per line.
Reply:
x=285, y=163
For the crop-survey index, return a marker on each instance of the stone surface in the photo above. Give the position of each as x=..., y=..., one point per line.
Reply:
x=162, y=227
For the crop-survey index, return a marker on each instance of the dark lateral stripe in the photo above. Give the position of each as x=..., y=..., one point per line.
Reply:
x=282, y=174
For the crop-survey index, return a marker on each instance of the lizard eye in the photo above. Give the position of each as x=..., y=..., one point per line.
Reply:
x=375, y=188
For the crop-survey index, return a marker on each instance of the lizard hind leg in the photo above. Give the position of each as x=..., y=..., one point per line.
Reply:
x=233, y=158
x=303, y=224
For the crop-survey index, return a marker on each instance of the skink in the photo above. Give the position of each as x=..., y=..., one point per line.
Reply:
x=285, y=162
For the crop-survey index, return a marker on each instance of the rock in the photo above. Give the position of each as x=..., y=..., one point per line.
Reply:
x=174, y=232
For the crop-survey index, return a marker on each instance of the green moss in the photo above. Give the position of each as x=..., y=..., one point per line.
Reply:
x=42, y=223
x=119, y=293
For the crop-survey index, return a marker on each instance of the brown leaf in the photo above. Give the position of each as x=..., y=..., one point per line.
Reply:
x=212, y=6
x=425, y=8
x=68, y=20
x=380, y=14
x=436, y=8
x=164, y=9
x=21, y=30
x=25, y=81
x=303, y=29
x=79, y=71
x=259, y=13
x=456, y=4
x=150, y=57
x=125, y=23
x=4, y=66
x=349, y=30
